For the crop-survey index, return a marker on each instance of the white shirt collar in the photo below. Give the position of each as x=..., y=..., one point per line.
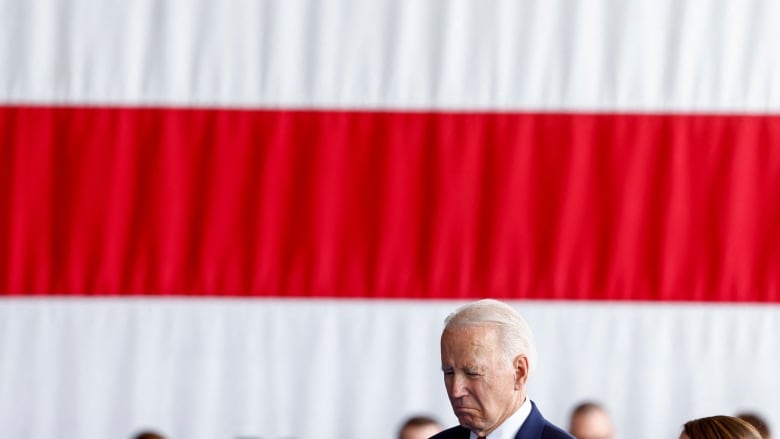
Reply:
x=509, y=428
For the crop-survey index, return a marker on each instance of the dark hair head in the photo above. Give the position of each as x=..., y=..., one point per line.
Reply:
x=720, y=427
x=587, y=407
x=756, y=421
x=419, y=421
x=148, y=435
x=415, y=422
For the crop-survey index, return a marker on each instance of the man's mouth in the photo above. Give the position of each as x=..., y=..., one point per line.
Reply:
x=462, y=410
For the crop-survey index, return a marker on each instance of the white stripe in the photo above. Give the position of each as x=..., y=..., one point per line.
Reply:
x=211, y=368
x=577, y=55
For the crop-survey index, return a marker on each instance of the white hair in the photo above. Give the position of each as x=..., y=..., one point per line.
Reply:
x=514, y=333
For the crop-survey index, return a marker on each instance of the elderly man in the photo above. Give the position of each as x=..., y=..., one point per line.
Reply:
x=487, y=353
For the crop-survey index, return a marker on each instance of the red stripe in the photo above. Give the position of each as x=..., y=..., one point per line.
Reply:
x=386, y=204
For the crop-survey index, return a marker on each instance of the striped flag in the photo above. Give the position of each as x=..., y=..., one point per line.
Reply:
x=250, y=218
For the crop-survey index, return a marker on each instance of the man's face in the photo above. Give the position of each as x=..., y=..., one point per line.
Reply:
x=484, y=389
x=594, y=424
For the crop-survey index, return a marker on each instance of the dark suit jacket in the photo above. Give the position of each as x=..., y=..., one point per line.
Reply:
x=534, y=427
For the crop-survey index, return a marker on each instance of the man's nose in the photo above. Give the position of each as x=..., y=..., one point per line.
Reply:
x=458, y=388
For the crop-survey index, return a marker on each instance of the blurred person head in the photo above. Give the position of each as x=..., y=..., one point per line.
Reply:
x=758, y=422
x=589, y=420
x=487, y=354
x=148, y=434
x=719, y=427
x=419, y=427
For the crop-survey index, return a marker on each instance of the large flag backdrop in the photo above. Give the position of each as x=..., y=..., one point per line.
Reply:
x=249, y=218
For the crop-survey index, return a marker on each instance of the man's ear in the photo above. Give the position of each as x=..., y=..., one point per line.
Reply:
x=520, y=365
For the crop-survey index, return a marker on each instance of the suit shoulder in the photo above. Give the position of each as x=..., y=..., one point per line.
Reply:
x=456, y=432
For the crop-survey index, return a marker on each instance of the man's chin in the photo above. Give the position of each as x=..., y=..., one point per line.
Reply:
x=465, y=418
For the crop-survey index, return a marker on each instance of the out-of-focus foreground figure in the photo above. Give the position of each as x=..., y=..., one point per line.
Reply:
x=419, y=427
x=719, y=427
x=589, y=420
x=148, y=435
x=758, y=422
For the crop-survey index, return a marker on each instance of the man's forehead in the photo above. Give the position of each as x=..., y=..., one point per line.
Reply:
x=477, y=334
x=474, y=342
